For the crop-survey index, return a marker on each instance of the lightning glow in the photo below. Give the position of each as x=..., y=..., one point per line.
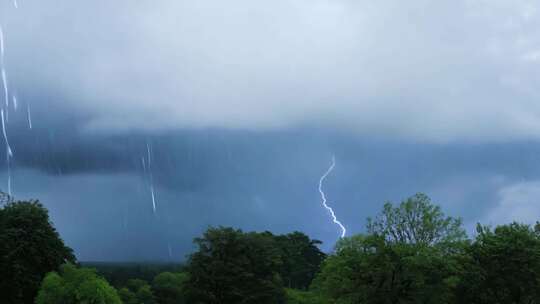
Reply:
x=324, y=201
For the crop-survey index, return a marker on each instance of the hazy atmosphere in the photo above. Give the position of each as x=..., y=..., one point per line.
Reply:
x=139, y=124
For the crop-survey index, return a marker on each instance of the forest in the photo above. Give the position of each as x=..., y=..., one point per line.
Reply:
x=411, y=252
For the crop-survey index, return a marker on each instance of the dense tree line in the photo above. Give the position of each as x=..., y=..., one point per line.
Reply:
x=72, y=285
x=30, y=247
x=119, y=274
x=235, y=267
x=411, y=253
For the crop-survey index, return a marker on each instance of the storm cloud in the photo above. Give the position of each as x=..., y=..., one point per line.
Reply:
x=428, y=70
x=245, y=102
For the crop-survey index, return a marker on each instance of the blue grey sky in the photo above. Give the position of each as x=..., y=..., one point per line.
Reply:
x=245, y=102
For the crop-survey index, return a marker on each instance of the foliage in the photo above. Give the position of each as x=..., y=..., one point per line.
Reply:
x=127, y=296
x=303, y=297
x=76, y=285
x=502, y=266
x=145, y=295
x=136, y=284
x=301, y=259
x=30, y=247
x=118, y=274
x=169, y=287
x=416, y=221
x=410, y=256
x=234, y=267
x=137, y=291
x=368, y=269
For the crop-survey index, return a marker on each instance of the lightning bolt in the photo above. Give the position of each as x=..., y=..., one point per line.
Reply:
x=324, y=201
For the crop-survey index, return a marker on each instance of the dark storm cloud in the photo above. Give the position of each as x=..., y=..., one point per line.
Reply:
x=257, y=180
x=244, y=104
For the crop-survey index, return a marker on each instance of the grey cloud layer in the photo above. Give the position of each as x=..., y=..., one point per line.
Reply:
x=284, y=75
x=99, y=196
x=428, y=70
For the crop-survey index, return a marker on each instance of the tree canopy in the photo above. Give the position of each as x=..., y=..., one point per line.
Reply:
x=30, y=247
x=169, y=287
x=75, y=286
x=502, y=266
x=231, y=266
x=416, y=221
x=301, y=259
x=137, y=291
x=369, y=269
x=410, y=254
x=400, y=260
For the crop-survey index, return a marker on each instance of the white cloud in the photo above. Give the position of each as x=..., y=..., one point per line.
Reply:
x=533, y=56
x=518, y=202
x=428, y=70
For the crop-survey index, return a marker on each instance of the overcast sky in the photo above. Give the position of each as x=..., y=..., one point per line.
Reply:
x=243, y=103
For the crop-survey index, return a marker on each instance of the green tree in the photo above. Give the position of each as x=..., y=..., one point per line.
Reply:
x=409, y=256
x=52, y=289
x=416, y=221
x=234, y=267
x=303, y=297
x=502, y=266
x=76, y=286
x=136, y=284
x=30, y=247
x=127, y=296
x=169, y=287
x=369, y=269
x=343, y=277
x=301, y=259
x=137, y=291
x=145, y=295
x=118, y=274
